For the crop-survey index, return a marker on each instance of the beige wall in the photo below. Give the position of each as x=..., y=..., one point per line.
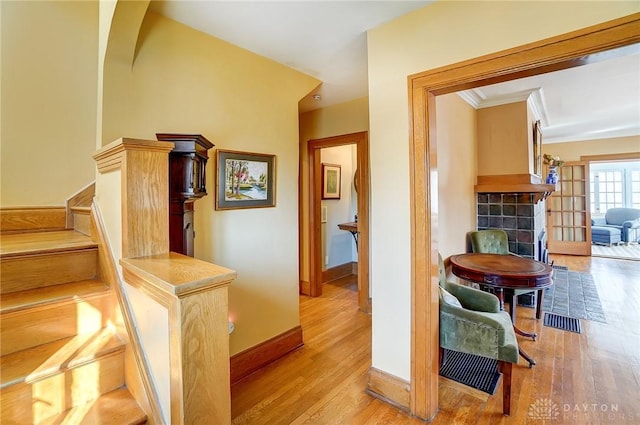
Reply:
x=185, y=81
x=503, y=139
x=572, y=151
x=49, y=92
x=119, y=28
x=457, y=141
x=441, y=33
x=345, y=118
x=532, y=150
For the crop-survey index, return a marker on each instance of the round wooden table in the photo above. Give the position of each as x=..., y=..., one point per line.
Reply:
x=504, y=272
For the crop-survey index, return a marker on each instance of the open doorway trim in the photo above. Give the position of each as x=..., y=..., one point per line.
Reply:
x=611, y=157
x=556, y=53
x=361, y=140
x=600, y=158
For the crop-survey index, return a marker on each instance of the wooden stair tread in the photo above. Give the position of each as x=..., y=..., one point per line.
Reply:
x=49, y=359
x=15, y=301
x=114, y=408
x=16, y=244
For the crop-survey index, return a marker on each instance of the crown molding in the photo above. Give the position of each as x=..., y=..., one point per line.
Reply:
x=471, y=97
x=534, y=98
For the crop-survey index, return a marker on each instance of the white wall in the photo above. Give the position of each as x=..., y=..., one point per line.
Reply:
x=441, y=33
x=339, y=246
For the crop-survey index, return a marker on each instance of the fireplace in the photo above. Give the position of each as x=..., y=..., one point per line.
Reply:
x=521, y=215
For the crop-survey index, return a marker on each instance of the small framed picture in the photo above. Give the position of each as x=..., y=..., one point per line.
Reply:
x=537, y=148
x=245, y=180
x=330, y=181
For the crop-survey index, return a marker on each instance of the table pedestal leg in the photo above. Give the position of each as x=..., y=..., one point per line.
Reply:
x=525, y=334
x=523, y=354
x=500, y=294
x=527, y=357
x=514, y=302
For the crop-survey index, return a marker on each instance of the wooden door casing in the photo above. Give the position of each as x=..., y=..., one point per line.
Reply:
x=560, y=52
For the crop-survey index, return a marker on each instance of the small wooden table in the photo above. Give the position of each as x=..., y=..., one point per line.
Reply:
x=352, y=227
x=504, y=272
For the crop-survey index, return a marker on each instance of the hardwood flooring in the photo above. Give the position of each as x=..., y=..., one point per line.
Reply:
x=588, y=378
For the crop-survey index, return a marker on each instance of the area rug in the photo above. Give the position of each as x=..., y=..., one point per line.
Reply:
x=573, y=294
x=474, y=371
x=631, y=251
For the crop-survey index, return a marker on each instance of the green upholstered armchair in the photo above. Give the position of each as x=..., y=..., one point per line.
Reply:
x=471, y=322
x=494, y=241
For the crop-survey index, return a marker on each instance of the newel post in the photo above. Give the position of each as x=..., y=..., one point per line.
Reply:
x=196, y=295
x=144, y=168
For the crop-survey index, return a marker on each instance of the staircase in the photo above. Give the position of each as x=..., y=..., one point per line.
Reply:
x=61, y=361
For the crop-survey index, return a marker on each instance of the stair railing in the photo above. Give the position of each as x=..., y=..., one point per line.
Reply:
x=177, y=306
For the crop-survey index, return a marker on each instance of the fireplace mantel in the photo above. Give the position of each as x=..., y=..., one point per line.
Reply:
x=514, y=183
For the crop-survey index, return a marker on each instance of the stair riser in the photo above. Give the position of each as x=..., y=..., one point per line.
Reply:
x=32, y=219
x=31, y=327
x=37, y=271
x=82, y=222
x=29, y=403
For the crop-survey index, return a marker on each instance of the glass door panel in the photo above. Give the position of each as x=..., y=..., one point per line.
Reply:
x=567, y=203
x=568, y=223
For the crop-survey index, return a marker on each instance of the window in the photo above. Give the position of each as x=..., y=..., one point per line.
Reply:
x=635, y=189
x=614, y=184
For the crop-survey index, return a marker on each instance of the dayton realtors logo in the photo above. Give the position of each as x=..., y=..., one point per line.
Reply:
x=544, y=409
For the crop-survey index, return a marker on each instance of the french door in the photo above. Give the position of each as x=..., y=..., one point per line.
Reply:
x=568, y=218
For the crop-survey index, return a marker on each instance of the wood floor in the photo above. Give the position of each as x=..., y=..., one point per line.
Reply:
x=588, y=378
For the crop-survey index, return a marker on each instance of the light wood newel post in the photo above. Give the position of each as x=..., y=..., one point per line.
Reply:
x=195, y=294
x=144, y=165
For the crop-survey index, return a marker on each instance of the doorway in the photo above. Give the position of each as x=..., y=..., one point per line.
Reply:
x=314, y=220
x=614, y=183
x=564, y=51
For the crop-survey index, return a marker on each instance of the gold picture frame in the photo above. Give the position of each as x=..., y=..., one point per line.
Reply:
x=537, y=148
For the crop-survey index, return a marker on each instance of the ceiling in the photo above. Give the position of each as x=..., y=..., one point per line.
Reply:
x=595, y=101
x=327, y=40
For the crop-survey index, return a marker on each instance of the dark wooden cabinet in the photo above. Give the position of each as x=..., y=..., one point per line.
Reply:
x=187, y=183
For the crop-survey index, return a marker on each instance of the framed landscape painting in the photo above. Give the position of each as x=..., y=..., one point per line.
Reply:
x=244, y=180
x=330, y=181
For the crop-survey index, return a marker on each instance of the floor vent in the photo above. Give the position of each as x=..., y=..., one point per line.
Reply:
x=474, y=371
x=565, y=323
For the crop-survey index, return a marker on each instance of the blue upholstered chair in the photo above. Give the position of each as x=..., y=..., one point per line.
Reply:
x=495, y=241
x=471, y=322
x=622, y=223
